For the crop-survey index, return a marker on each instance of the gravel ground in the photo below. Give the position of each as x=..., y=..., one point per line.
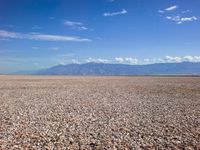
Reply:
x=99, y=112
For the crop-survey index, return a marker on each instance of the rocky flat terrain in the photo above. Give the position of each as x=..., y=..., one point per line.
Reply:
x=57, y=112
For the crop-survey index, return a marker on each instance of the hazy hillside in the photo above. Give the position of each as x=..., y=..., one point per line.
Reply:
x=123, y=69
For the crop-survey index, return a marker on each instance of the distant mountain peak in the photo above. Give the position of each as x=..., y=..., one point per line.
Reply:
x=94, y=68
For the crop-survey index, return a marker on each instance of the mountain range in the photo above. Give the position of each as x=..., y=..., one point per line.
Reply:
x=183, y=68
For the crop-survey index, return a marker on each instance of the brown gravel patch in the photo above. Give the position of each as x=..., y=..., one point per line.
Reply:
x=41, y=112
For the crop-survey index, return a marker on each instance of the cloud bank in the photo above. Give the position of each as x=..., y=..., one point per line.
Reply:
x=127, y=60
x=97, y=60
x=173, y=59
x=136, y=61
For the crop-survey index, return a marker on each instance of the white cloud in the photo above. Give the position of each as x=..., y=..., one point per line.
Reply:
x=147, y=60
x=180, y=20
x=128, y=60
x=170, y=18
x=169, y=9
x=131, y=60
x=188, y=58
x=109, y=14
x=186, y=19
x=41, y=37
x=74, y=61
x=75, y=25
x=172, y=8
x=135, y=61
x=61, y=62
x=71, y=23
x=161, y=11
x=97, y=60
x=191, y=58
x=119, y=59
x=172, y=59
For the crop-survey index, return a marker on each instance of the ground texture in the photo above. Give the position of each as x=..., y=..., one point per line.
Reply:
x=99, y=112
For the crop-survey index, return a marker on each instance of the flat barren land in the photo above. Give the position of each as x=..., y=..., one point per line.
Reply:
x=42, y=112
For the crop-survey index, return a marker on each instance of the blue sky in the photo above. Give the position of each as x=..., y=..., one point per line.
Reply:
x=36, y=34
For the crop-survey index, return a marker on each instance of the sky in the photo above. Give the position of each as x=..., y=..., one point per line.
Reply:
x=37, y=34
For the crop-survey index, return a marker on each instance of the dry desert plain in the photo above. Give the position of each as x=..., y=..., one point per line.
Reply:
x=57, y=112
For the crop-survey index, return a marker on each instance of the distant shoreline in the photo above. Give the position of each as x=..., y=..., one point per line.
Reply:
x=164, y=75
